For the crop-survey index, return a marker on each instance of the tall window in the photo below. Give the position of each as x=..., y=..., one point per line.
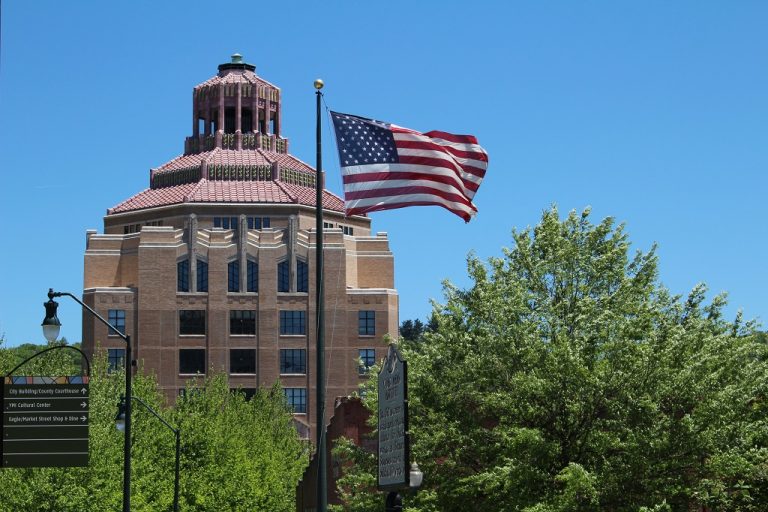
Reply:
x=202, y=275
x=116, y=319
x=242, y=322
x=233, y=273
x=302, y=276
x=191, y=321
x=366, y=323
x=182, y=276
x=296, y=398
x=292, y=322
x=367, y=359
x=192, y=360
x=225, y=222
x=253, y=276
x=293, y=360
x=242, y=360
x=283, y=277
x=115, y=358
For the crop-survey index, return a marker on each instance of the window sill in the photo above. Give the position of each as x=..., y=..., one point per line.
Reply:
x=242, y=374
x=242, y=335
x=366, y=335
x=191, y=375
x=293, y=335
x=293, y=374
x=191, y=335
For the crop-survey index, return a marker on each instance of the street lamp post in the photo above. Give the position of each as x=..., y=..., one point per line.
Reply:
x=394, y=502
x=51, y=327
x=120, y=424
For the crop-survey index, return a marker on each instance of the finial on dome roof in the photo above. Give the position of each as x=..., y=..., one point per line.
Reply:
x=236, y=62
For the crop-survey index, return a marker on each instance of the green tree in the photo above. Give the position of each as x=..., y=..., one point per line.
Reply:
x=237, y=454
x=567, y=378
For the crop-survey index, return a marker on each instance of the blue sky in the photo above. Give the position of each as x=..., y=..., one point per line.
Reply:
x=654, y=113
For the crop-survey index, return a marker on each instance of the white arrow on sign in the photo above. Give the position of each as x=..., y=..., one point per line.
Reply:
x=83, y=391
x=83, y=418
x=84, y=404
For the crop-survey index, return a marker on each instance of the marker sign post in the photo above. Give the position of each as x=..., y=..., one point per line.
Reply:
x=45, y=421
x=394, y=449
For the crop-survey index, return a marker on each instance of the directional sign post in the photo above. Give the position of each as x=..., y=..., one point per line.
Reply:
x=45, y=421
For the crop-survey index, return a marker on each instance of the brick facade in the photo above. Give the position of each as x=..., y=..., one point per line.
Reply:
x=134, y=267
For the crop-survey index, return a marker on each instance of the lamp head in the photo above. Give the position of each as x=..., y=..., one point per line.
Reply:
x=417, y=476
x=51, y=324
x=120, y=418
x=319, y=84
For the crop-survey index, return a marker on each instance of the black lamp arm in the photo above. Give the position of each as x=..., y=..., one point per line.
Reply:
x=52, y=294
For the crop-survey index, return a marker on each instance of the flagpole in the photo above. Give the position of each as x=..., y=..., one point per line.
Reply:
x=322, y=485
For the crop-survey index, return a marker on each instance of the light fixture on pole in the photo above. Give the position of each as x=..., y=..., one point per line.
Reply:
x=417, y=476
x=51, y=328
x=51, y=324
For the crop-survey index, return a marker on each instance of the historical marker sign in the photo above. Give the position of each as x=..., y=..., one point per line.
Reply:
x=394, y=449
x=45, y=421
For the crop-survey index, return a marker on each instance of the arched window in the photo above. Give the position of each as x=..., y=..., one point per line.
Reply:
x=202, y=275
x=233, y=273
x=302, y=276
x=283, y=277
x=253, y=276
x=182, y=276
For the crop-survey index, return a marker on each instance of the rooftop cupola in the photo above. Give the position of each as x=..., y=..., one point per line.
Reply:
x=236, y=110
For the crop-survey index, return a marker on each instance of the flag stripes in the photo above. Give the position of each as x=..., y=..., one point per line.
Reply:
x=385, y=166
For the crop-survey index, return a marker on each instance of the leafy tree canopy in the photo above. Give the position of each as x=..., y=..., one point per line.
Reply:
x=567, y=378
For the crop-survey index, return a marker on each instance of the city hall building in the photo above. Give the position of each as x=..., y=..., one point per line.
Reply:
x=212, y=267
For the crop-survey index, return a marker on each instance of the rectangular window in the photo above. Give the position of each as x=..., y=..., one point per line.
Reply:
x=302, y=276
x=242, y=322
x=328, y=225
x=192, y=360
x=348, y=230
x=258, y=222
x=253, y=276
x=366, y=323
x=233, y=276
x=202, y=275
x=297, y=399
x=116, y=319
x=293, y=360
x=248, y=393
x=367, y=359
x=283, y=277
x=225, y=222
x=242, y=360
x=116, y=359
x=182, y=276
x=191, y=321
x=292, y=322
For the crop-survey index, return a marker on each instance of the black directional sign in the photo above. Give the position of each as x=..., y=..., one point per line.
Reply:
x=394, y=448
x=45, y=421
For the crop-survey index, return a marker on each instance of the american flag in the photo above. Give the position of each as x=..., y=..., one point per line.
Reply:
x=385, y=166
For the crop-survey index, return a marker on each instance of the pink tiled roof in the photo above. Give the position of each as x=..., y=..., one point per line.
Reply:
x=233, y=78
x=220, y=156
x=206, y=191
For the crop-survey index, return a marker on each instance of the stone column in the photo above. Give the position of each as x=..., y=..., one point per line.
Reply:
x=291, y=242
x=220, y=131
x=192, y=251
x=267, y=108
x=195, y=116
x=239, y=117
x=242, y=253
